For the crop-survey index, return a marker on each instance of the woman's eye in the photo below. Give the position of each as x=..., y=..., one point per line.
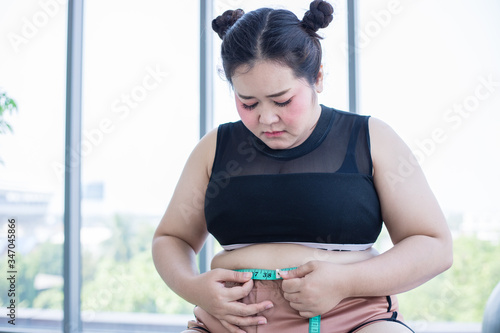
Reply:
x=249, y=107
x=284, y=103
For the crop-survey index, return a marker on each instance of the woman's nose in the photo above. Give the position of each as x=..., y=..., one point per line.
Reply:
x=268, y=117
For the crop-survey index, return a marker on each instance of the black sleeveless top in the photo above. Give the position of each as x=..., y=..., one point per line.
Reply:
x=319, y=194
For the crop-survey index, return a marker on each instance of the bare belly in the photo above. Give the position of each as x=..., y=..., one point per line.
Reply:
x=273, y=256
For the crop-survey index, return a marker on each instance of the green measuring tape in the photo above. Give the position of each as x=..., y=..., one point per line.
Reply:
x=269, y=274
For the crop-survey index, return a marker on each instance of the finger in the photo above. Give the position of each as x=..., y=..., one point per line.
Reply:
x=305, y=310
x=240, y=277
x=245, y=321
x=227, y=275
x=238, y=292
x=244, y=310
x=299, y=272
x=301, y=308
x=291, y=286
x=307, y=314
x=292, y=297
x=231, y=328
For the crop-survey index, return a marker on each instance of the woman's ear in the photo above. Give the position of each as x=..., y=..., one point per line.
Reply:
x=318, y=86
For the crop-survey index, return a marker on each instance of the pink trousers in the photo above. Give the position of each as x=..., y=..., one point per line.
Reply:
x=348, y=316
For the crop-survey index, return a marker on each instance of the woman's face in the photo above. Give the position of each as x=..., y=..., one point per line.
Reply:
x=274, y=105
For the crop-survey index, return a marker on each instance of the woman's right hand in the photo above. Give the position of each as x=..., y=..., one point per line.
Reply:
x=222, y=302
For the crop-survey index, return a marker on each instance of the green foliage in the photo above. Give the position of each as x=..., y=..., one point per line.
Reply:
x=6, y=104
x=132, y=286
x=121, y=276
x=459, y=294
x=49, y=299
x=45, y=259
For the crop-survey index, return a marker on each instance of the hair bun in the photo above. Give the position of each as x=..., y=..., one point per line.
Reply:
x=222, y=23
x=319, y=16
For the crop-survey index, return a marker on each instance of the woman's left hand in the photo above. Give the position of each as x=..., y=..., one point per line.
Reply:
x=306, y=287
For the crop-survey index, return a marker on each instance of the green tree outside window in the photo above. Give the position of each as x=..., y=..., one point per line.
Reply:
x=7, y=105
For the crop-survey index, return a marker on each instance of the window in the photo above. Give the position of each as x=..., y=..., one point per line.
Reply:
x=33, y=74
x=140, y=122
x=430, y=70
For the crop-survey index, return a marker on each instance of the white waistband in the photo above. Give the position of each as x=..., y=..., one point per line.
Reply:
x=321, y=246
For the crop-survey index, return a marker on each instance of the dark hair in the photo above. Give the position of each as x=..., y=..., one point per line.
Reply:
x=276, y=35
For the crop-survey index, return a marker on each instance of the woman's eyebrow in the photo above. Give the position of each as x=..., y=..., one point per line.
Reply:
x=269, y=96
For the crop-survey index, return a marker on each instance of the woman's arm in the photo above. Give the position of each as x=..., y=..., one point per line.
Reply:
x=180, y=236
x=422, y=241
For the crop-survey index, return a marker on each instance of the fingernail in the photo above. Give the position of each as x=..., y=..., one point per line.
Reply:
x=281, y=273
x=262, y=322
x=248, y=275
x=269, y=306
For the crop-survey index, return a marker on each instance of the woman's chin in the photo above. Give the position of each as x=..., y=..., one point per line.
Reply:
x=276, y=145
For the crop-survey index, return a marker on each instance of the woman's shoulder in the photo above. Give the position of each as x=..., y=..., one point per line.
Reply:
x=203, y=153
x=381, y=132
x=388, y=149
x=209, y=139
x=222, y=135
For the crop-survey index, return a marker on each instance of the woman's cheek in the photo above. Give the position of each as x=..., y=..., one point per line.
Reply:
x=296, y=108
x=246, y=116
x=241, y=110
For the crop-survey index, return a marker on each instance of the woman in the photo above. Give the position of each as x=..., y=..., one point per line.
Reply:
x=298, y=186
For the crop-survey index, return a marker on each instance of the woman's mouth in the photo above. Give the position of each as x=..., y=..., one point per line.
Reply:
x=273, y=134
